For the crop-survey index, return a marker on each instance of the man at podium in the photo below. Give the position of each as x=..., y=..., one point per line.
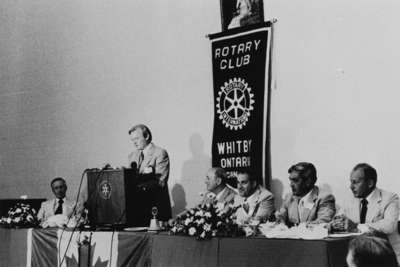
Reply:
x=153, y=162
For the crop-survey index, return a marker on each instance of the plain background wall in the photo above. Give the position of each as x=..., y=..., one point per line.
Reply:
x=76, y=75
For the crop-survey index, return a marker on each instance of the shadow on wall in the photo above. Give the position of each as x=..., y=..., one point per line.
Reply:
x=192, y=181
x=277, y=190
x=178, y=198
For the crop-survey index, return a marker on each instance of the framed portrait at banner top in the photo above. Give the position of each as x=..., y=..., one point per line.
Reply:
x=237, y=13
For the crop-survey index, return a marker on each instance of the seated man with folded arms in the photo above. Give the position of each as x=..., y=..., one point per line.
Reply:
x=217, y=189
x=60, y=205
x=371, y=209
x=255, y=202
x=306, y=203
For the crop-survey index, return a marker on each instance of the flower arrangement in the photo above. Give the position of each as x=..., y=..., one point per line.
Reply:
x=207, y=221
x=21, y=215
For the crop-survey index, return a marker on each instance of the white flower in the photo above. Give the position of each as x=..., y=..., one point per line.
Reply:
x=211, y=195
x=207, y=227
x=207, y=214
x=201, y=221
x=16, y=220
x=187, y=221
x=192, y=231
x=29, y=218
x=8, y=220
x=203, y=234
x=199, y=213
x=18, y=210
x=220, y=207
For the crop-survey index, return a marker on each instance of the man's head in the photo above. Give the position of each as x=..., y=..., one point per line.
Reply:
x=366, y=250
x=215, y=178
x=59, y=187
x=243, y=7
x=140, y=135
x=363, y=179
x=246, y=183
x=303, y=177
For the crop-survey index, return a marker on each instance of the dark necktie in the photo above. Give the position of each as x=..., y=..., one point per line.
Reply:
x=140, y=159
x=59, y=208
x=363, y=210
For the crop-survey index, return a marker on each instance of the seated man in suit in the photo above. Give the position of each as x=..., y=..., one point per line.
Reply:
x=307, y=203
x=255, y=202
x=217, y=189
x=59, y=205
x=151, y=161
x=218, y=192
x=371, y=209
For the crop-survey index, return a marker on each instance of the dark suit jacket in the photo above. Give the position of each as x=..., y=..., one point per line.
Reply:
x=156, y=158
x=322, y=211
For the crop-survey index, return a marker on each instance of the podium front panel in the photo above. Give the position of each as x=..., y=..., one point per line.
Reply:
x=107, y=196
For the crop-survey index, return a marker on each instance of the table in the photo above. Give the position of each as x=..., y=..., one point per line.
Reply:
x=145, y=249
x=13, y=247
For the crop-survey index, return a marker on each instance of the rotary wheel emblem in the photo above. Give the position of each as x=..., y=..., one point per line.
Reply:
x=234, y=103
x=105, y=190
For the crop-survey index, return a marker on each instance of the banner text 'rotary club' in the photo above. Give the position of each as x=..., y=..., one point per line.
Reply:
x=236, y=55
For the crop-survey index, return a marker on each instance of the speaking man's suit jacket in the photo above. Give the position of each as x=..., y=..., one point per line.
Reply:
x=382, y=215
x=49, y=207
x=321, y=211
x=261, y=206
x=156, y=158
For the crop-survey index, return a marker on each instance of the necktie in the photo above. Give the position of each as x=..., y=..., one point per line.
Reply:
x=140, y=159
x=246, y=206
x=363, y=211
x=59, y=208
x=296, y=214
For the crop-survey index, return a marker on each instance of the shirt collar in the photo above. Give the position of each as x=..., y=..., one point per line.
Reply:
x=252, y=196
x=56, y=200
x=307, y=198
x=147, y=149
x=369, y=197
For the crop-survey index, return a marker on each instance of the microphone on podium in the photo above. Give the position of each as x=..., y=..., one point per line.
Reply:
x=106, y=166
x=134, y=165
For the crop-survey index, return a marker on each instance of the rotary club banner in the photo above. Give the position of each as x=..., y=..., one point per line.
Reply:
x=241, y=81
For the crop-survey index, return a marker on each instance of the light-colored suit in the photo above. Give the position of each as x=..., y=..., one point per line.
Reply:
x=227, y=197
x=156, y=158
x=322, y=210
x=49, y=207
x=261, y=206
x=382, y=215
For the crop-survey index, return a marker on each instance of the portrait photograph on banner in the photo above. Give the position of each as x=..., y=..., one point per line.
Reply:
x=238, y=13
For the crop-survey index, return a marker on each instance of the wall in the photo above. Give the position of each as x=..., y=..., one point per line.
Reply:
x=75, y=75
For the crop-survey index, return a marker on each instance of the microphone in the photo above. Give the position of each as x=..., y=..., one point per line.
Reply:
x=107, y=166
x=133, y=165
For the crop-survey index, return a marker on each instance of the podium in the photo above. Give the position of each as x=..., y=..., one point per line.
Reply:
x=115, y=198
